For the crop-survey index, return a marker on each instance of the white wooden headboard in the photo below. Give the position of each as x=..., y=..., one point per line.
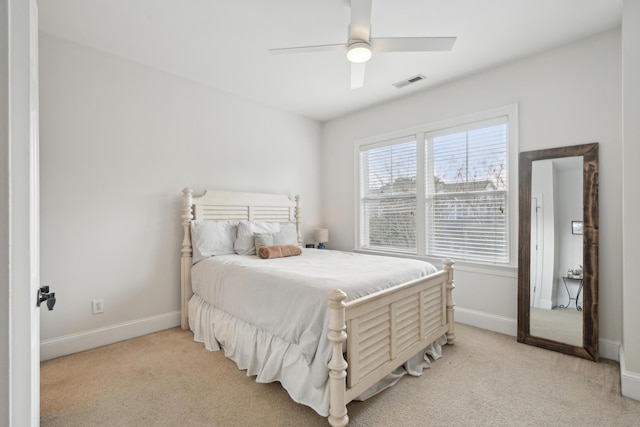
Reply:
x=216, y=205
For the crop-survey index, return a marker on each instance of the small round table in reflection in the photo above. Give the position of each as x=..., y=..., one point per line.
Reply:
x=564, y=280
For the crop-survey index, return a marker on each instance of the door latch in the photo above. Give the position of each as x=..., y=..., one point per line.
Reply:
x=45, y=295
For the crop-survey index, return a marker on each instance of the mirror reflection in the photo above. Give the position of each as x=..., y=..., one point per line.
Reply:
x=556, y=271
x=558, y=249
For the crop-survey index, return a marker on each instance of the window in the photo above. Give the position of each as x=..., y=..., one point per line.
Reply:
x=467, y=195
x=388, y=195
x=441, y=192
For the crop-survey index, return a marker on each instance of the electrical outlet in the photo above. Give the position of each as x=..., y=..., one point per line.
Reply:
x=98, y=306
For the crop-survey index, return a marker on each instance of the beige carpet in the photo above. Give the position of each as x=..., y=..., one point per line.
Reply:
x=485, y=379
x=562, y=325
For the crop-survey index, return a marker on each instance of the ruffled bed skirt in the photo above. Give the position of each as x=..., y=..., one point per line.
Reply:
x=271, y=359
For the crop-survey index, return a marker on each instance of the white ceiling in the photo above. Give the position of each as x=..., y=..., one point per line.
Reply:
x=224, y=44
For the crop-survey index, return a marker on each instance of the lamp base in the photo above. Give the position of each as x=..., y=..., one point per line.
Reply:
x=321, y=245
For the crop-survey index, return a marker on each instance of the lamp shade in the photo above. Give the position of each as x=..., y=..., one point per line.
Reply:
x=321, y=235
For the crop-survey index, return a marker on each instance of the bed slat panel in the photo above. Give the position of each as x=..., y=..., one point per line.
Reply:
x=376, y=360
x=377, y=374
x=435, y=304
x=220, y=213
x=372, y=337
x=375, y=328
x=240, y=213
x=375, y=343
x=392, y=327
x=374, y=355
x=275, y=214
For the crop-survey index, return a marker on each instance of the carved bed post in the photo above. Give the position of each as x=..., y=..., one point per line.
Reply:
x=448, y=267
x=299, y=220
x=185, y=259
x=337, y=365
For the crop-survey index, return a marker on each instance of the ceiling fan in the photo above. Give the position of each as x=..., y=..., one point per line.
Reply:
x=361, y=46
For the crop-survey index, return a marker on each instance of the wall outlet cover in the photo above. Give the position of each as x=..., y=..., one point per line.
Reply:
x=97, y=306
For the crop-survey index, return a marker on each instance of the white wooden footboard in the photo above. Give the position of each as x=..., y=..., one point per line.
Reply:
x=382, y=331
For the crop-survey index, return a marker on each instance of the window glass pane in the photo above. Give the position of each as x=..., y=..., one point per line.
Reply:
x=471, y=161
x=390, y=170
x=487, y=165
x=470, y=226
x=390, y=223
x=388, y=196
x=466, y=195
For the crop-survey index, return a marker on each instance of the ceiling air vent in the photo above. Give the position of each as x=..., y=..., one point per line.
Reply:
x=410, y=80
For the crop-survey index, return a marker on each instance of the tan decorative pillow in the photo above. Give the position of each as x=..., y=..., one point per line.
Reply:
x=279, y=251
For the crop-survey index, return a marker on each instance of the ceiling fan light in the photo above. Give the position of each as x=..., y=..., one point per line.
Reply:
x=359, y=52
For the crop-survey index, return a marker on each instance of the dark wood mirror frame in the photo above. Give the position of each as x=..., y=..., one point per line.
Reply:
x=589, y=349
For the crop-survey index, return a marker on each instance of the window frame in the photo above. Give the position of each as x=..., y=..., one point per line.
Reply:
x=362, y=221
x=419, y=133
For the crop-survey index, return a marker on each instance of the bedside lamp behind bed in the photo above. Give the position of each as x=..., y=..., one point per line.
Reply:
x=321, y=235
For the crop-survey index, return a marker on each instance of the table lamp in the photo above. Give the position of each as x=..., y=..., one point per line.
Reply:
x=321, y=235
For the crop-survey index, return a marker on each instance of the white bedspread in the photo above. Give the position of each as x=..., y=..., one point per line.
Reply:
x=284, y=301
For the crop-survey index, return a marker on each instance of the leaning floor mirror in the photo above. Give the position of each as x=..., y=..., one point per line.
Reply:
x=558, y=250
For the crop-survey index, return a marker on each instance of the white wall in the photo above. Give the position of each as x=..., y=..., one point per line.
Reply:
x=542, y=179
x=567, y=96
x=561, y=192
x=569, y=191
x=119, y=141
x=630, y=353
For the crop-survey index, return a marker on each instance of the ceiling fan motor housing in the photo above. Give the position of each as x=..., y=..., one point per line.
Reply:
x=359, y=51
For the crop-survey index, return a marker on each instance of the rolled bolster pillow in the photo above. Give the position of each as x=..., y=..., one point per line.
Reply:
x=279, y=251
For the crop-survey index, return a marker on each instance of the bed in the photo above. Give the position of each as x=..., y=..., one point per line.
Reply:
x=328, y=342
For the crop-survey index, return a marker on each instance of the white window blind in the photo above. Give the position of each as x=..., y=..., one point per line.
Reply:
x=388, y=195
x=442, y=191
x=467, y=192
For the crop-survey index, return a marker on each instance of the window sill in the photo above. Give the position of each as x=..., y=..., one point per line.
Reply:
x=467, y=266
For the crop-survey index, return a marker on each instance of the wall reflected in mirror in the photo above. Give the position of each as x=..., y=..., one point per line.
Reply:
x=558, y=266
x=556, y=272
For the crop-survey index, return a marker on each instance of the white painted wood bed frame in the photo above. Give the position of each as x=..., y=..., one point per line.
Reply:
x=382, y=330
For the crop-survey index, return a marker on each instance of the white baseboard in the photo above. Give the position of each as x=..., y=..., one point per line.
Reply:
x=606, y=348
x=86, y=340
x=546, y=304
x=629, y=381
x=491, y=322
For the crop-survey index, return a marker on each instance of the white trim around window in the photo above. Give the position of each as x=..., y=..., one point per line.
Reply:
x=382, y=200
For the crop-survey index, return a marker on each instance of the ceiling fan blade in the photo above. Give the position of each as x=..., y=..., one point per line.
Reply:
x=357, y=75
x=412, y=44
x=360, y=26
x=309, y=49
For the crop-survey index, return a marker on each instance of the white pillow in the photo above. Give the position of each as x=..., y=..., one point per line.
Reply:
x=244, y=244
x=290, y=233
x=210, y=238
x=269, y=239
